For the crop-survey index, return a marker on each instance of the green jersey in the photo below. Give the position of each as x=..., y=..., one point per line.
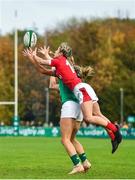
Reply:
x=65, y=93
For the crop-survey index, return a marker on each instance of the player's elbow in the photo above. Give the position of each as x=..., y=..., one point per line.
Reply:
x=52, y=86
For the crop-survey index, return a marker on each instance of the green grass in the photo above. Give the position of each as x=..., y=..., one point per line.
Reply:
x=45, y=158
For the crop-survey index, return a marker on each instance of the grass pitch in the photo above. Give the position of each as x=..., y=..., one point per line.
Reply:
x=45, y=158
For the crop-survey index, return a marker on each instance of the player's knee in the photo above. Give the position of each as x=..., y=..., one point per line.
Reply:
x=97, y=114
x=64, y=141
x=72, y=139
x=88, y=119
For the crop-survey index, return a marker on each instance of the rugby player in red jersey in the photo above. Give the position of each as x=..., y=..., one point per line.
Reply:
x=83, y=91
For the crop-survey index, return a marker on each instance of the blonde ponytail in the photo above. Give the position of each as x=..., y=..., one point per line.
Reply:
x=84, y=72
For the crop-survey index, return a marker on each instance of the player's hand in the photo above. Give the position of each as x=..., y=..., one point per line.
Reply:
x=34, y=52
x=45, y=51
x=29, y=53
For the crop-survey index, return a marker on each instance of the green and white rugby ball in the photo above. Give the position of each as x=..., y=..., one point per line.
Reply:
x=30, y=39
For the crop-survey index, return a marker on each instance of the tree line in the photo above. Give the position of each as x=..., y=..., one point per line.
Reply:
x=108, y=45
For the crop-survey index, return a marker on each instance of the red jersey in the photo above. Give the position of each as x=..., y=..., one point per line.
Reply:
x=65, y=72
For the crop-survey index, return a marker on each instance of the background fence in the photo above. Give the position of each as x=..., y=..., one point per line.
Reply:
x=55, y=132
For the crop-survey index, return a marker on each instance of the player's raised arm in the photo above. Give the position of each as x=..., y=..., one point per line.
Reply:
x=43, y=70
x=47, y=71
x=28, y=53
x=41, y=60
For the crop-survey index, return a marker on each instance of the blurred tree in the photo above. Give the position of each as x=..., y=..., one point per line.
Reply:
x=108, y=45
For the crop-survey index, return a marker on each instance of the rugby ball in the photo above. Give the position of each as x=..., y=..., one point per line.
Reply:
x=30, y=39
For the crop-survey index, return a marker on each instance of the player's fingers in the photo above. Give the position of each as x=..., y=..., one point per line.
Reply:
x=30, y=50
x=35, y=50
x=48, y=48
x=24, y=53
x=27, y=50
x=40, y=49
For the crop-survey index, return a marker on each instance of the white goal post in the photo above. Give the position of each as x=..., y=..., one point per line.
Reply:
x=6, y=102
x=15, y=102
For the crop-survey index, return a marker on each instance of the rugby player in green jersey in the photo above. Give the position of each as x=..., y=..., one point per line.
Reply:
x=71, y=118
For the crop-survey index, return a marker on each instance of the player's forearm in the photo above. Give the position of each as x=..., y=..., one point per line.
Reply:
x=53, y=84
x=56, y=87
x=37, y=66
x=38, y=59
x=31, y=60
x=48, y=57
x=45, y=70
x=41, y=61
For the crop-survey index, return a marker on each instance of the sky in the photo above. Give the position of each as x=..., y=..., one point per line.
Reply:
x=47, y=14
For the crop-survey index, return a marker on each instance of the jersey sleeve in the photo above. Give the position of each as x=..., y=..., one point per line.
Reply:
x=54, y=62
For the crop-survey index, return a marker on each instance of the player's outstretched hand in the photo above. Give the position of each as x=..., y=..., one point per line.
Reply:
x=45, y=51
x=34, y=52
x=29, y=53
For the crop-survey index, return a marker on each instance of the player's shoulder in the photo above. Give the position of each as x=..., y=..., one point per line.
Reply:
x=58, y=58
x=61, y=58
